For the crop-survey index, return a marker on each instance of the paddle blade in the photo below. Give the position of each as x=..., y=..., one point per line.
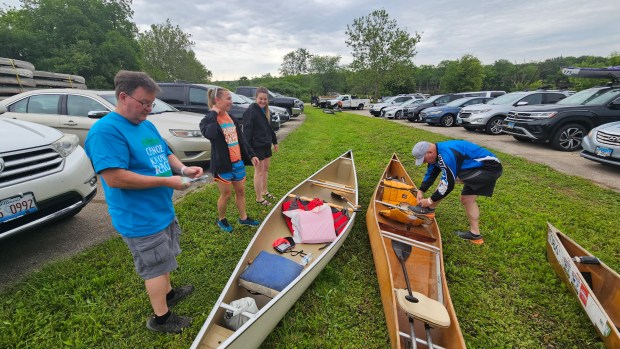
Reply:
x=401, y=249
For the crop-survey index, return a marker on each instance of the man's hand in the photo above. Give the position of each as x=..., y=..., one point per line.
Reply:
x=193, y=171
x=255, y=161
x=275, y=148
x=420, y=195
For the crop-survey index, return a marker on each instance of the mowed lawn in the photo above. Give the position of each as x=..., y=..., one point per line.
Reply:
x=505, y=293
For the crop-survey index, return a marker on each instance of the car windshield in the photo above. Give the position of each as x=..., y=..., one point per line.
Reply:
x=160, y=106
x=246, y=99
x=411, y=102
x=507, y=98
x=237, y=99
x=592, y=96
x=433, y=98
x=389, y=100
x=458, y=102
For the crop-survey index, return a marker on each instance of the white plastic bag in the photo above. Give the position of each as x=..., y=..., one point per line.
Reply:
x=234, y=319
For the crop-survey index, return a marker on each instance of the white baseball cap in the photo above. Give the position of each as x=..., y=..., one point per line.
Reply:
x=419, y=150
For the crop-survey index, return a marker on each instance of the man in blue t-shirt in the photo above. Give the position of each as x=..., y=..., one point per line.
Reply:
x=137, y=171
x=457, y=161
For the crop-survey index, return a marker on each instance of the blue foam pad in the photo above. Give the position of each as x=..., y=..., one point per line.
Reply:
x=269, y=274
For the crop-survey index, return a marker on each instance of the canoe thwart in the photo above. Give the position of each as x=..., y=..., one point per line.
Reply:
x=333, y=183
x=305, y=198
x=331, y=186
x=426, y=309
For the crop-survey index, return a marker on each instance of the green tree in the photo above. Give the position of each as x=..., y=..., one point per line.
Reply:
x=295, y=62
x=168, y=55
x=92, y=38
x=427, y=79
x=326, y=72
x=379, y=46
x=465, y=74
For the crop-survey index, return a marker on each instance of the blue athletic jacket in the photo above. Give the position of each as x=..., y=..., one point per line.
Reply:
x=454, y=157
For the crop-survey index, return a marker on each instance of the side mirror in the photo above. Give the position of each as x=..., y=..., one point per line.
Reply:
x=97, y=114
x=2, y=109
x=614, y=104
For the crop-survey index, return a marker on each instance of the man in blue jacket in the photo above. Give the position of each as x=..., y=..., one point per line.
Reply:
x=457, y=161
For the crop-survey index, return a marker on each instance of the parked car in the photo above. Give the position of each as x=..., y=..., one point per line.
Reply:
x=492, y=94
x=433, y=101
x=193, y=98
x=602, y=144
x=489, y=116
x=44, y=176
x=396, y=112
x=445, y=115
x=348, y=102
x=291, y=104
x=74, y=111
x=279, y=115
x=375, y=109
x=565, y=123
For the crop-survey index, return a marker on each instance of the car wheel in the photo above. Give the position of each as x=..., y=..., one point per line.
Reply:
x=447, y=120
x=522, y=139
x=398, y=115
x=493, y=125
x=568, y=137
x=360, y=107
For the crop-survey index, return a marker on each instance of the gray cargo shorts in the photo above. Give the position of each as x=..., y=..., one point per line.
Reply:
x=155, y=255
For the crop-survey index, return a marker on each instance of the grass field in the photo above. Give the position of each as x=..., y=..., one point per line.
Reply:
x=505, y=293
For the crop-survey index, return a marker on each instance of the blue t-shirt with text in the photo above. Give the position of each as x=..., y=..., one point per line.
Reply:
x=114, y=142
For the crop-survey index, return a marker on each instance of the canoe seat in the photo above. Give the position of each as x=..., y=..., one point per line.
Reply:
x=269, y=274
x=402, y=216
x=427, y=310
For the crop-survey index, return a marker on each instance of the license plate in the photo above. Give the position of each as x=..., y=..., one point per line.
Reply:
x=17, y=206
x=603, y=152
x=510, y=124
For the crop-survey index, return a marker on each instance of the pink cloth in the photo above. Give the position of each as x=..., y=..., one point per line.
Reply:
x=314, y=226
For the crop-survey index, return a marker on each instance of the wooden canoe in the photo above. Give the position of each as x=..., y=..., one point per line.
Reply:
x=337, y=176
x=424, y=265
x=595, y=285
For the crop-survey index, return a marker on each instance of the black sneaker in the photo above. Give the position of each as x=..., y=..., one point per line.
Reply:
x=179, y=293
x=421, y=210
x=249, y=221
x=174, y=324
x=473, y=238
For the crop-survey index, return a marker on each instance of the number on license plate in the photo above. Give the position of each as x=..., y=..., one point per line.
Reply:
x=17, y=206
x=603, y=152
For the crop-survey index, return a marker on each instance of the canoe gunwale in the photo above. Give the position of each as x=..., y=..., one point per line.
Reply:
x=556, y=248
x=294, y=289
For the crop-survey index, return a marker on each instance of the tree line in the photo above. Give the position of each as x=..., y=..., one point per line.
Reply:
x=97, y=38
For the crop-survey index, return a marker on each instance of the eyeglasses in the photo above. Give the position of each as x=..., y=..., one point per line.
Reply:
x=144, y=104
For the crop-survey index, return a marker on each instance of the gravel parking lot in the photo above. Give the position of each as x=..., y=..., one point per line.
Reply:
x=566, y=162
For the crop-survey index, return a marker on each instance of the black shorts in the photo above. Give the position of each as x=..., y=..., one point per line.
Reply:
x=263, y=153
x=480, y=181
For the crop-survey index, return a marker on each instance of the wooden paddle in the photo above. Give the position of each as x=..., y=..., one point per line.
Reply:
x=344, y=198
x=402, y=251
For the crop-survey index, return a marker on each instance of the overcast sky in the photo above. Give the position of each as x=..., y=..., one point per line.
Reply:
x=236, y=38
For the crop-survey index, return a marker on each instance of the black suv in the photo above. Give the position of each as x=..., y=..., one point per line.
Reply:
x=565, y=123
x=293, y=105
x=193, y=97
x=413, y=113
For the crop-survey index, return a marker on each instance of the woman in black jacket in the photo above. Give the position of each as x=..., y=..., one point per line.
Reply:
x=229, y=155
x=260, y=137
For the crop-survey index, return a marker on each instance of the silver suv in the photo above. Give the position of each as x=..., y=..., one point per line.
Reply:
x=44, y=176
x=488, y=117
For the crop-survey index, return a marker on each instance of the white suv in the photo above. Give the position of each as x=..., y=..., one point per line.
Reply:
x=489, y=116
x=44, y=176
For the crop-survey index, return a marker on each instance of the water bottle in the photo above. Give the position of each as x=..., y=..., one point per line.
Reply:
x=306, y=259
